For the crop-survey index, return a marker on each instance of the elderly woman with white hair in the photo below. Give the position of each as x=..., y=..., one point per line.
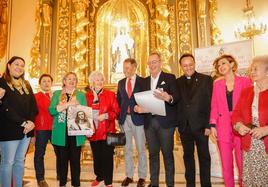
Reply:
x=250, y=119
x=105, y=111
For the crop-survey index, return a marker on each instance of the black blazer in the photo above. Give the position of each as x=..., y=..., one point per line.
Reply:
x=124, y=101
x=15, y=109
x=195, y=110
x=167, y=82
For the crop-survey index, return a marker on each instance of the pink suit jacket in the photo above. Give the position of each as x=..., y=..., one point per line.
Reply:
x=220, y=114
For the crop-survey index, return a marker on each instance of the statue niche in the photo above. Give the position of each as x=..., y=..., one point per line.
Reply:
x=121, y=32
x=122, y=48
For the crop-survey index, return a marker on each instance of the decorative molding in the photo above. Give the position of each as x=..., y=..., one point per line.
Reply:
x=151, y=7
x=184, y=31
x=202, y=23
x=94, y=5
x=3, y=27
x=172, y=32
x=215, y=32
x=162, y=32
x=35, y=64
x=63, y=40
x=79, y=37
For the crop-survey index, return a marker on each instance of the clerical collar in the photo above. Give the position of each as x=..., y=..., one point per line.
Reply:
x=191, y=77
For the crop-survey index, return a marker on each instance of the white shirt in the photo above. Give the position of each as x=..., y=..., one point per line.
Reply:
x=154, y=81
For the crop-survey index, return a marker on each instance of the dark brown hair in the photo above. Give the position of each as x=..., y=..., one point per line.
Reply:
x=132, y=61
x=6, y=74
x=229, y=58
x=186, y=55
x=77, y=118
x=43, y=76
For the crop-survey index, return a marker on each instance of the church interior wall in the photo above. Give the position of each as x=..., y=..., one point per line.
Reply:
x=22, y=28
x=230, y=13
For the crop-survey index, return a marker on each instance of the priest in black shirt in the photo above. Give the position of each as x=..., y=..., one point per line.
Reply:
x=194, y=93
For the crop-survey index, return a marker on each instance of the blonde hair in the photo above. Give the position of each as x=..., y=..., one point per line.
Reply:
x=66, y=75
x=92, y=76
x=156, y=53
x=229, y=58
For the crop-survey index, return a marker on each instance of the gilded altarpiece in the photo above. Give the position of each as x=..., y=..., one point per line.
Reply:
x=83, y=36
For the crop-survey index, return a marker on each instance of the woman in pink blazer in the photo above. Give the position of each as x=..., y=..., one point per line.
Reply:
x=226, y=92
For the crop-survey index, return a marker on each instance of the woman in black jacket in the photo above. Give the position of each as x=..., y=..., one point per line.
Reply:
x=17, y=113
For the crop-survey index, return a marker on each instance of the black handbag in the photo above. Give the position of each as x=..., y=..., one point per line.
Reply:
x=116, y=139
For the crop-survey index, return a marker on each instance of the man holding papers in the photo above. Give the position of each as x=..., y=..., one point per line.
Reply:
x=132, y=122
x=159, y=129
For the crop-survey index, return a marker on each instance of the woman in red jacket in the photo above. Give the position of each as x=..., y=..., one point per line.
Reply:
x=105, y=111
x=250, y=119
x=43, y=128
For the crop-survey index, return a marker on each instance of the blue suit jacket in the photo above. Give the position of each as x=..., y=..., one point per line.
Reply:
x=124, y=101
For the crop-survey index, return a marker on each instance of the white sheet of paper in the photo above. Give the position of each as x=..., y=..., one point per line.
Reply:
x=148, y=101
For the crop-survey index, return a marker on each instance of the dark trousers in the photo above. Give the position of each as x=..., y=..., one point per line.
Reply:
x=41, y=139
x=159, y=138
x=188, y=140
x=69, y=152
x=103, y=161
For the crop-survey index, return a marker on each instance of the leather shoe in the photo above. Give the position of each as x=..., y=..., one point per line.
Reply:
x=95, y=183
x=42, y=183
x=141, y=183
x=126, y=181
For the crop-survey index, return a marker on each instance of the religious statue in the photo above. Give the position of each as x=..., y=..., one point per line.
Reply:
x=122, y=48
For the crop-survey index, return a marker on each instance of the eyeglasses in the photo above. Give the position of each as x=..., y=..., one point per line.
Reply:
x=153, y=62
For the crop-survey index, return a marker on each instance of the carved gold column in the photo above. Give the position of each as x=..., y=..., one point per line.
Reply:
x=41, y=49
x=3, y=27
x=92, y=36
x=63, y=33
x=173, y=38
x=215, y=32
x=202, y=23
x=35, y=65
x=80, y=36
x=152, y=25
x=184, y=27
x=47, y=35
x=162, y=33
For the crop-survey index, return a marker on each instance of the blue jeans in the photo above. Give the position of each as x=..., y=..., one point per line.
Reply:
x=12, y=161
x=42, y=138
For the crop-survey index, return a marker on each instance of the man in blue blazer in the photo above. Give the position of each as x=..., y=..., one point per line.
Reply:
x=132, y=122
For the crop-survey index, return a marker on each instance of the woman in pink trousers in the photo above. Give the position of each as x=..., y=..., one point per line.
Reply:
x=226, y=92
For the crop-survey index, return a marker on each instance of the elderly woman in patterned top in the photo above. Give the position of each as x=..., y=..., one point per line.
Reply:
x=250, y=119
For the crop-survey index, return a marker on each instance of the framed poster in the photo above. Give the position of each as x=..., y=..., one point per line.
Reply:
x=80, y=120
x=242, y=51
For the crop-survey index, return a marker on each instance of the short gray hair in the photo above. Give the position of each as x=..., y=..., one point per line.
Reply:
x=92, y=76
x=261, y=59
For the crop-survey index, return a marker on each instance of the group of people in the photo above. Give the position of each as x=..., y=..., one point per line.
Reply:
x=232, y=109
